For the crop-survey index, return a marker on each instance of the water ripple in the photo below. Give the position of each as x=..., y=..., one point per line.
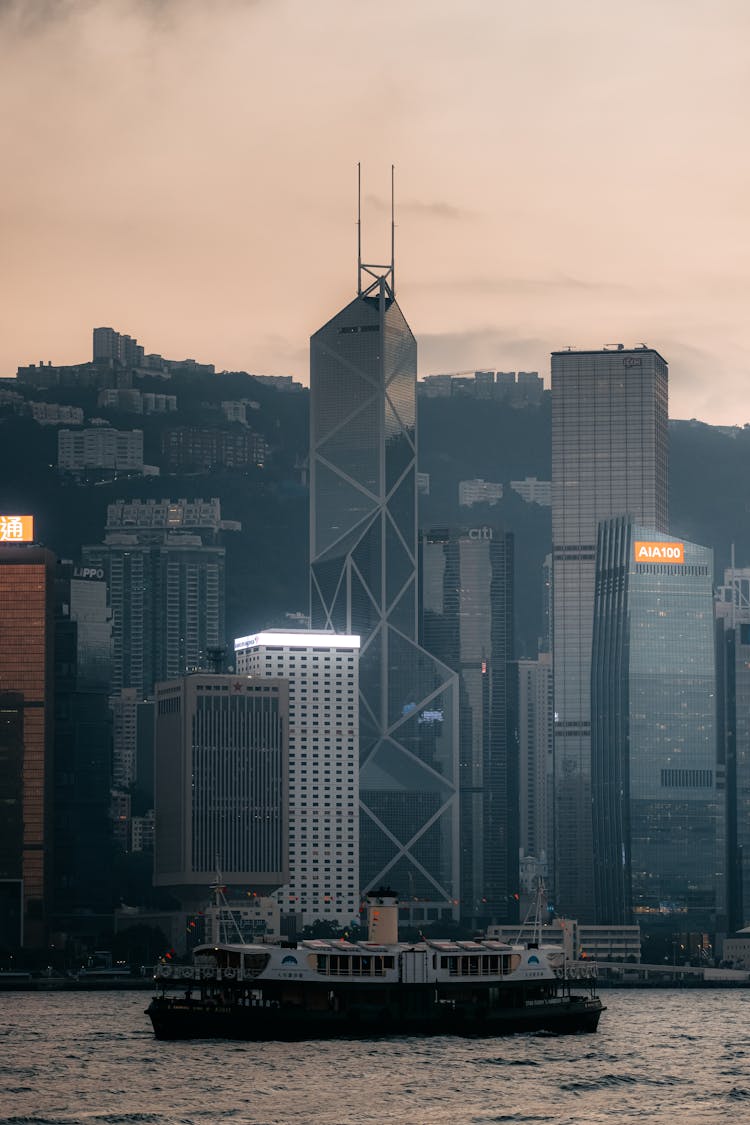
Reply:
x=90, y=1059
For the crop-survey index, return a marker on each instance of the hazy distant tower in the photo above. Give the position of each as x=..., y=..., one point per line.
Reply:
x=467, y=598
x=363, y=552
x=609, y=458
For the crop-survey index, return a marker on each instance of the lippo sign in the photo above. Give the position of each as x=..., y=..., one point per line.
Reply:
x=16, y=529
x=659, y=552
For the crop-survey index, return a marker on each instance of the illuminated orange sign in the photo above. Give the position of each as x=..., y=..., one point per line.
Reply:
x=660, y=552
x=16, y=529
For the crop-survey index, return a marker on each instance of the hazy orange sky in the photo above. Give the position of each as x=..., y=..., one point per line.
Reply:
x=569, y=172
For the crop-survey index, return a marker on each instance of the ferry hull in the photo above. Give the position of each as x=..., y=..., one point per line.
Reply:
x=174, y=1018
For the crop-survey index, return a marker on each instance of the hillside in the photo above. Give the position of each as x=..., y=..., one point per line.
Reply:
x=459, y=439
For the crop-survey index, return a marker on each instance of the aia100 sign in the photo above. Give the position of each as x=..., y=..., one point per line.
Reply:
x=659, y=552
x=16, y=529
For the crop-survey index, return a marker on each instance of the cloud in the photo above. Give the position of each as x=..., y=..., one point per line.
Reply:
x=480, y=348
x=519, y=285
x=426, y=209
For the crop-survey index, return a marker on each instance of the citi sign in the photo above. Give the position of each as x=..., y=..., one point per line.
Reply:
x=660, y=552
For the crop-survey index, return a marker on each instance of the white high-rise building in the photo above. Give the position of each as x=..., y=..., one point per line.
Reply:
x=323, y=674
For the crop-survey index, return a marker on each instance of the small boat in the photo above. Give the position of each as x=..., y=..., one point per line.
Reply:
x=379, y=987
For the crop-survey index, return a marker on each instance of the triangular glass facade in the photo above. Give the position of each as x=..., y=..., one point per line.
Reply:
x=363, y=551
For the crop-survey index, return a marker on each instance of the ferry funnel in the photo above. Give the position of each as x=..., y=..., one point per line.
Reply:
x=382, y=916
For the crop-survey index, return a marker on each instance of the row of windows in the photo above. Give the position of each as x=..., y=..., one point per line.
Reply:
x=344, y=966
x=476, y=966
x=687, y=779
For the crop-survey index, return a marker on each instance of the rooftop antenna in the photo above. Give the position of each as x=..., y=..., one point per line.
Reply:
x=383, y=275
x=393, y=230
x=359, y=229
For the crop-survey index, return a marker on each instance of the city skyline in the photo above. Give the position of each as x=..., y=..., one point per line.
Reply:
x=543, y=158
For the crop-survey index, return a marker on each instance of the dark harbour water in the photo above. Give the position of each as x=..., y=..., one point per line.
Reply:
x=659, y=1057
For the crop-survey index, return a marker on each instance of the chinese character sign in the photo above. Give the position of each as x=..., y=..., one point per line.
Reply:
x=16, y=529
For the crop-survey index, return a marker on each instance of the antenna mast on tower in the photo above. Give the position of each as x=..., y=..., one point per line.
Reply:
x=383, y=276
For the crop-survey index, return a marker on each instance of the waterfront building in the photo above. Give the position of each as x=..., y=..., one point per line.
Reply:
x=467, y=597
x=363, y=579
x=82, y=848
x=657, y=789
x=27, y=577
x=591, y=942
x=322, y=670
x=221, y=785
x=732, y=609
x=609, y=458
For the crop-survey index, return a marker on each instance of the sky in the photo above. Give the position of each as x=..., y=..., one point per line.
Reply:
x=568, y=173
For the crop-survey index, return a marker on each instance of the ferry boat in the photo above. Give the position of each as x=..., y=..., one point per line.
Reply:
x=379, y=987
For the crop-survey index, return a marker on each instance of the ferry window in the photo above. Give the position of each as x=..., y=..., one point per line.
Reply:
x=357, y=963
x=388, y=962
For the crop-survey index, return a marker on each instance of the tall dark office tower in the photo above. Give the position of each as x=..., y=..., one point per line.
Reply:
x=82, y=854
x=467, y=598
x=609, y=458
x=733, y=667
x=26, y=741
x=656, y=785
x=363, y=554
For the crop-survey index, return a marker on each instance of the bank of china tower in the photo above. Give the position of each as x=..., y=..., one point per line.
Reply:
x=364, y=580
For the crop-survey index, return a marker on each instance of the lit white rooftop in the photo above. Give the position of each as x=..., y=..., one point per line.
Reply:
x=296, y=638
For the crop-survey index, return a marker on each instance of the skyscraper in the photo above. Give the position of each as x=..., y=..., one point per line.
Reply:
x=609, y=458
x=221, y=783
x=322, y=672
x=535, y=764
x=467, y=597
x=733, y=667
x=167, y=596
x=363, y=553
x=657, y=788
x=26, y=741
x=82, y=854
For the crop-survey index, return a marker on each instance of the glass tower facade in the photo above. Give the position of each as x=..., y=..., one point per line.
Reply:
x=467, y=595
x=657, y=788
x=82, y=854
x=733, y=660
x=26, y=739
x=609, y=458
x=363, y=580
